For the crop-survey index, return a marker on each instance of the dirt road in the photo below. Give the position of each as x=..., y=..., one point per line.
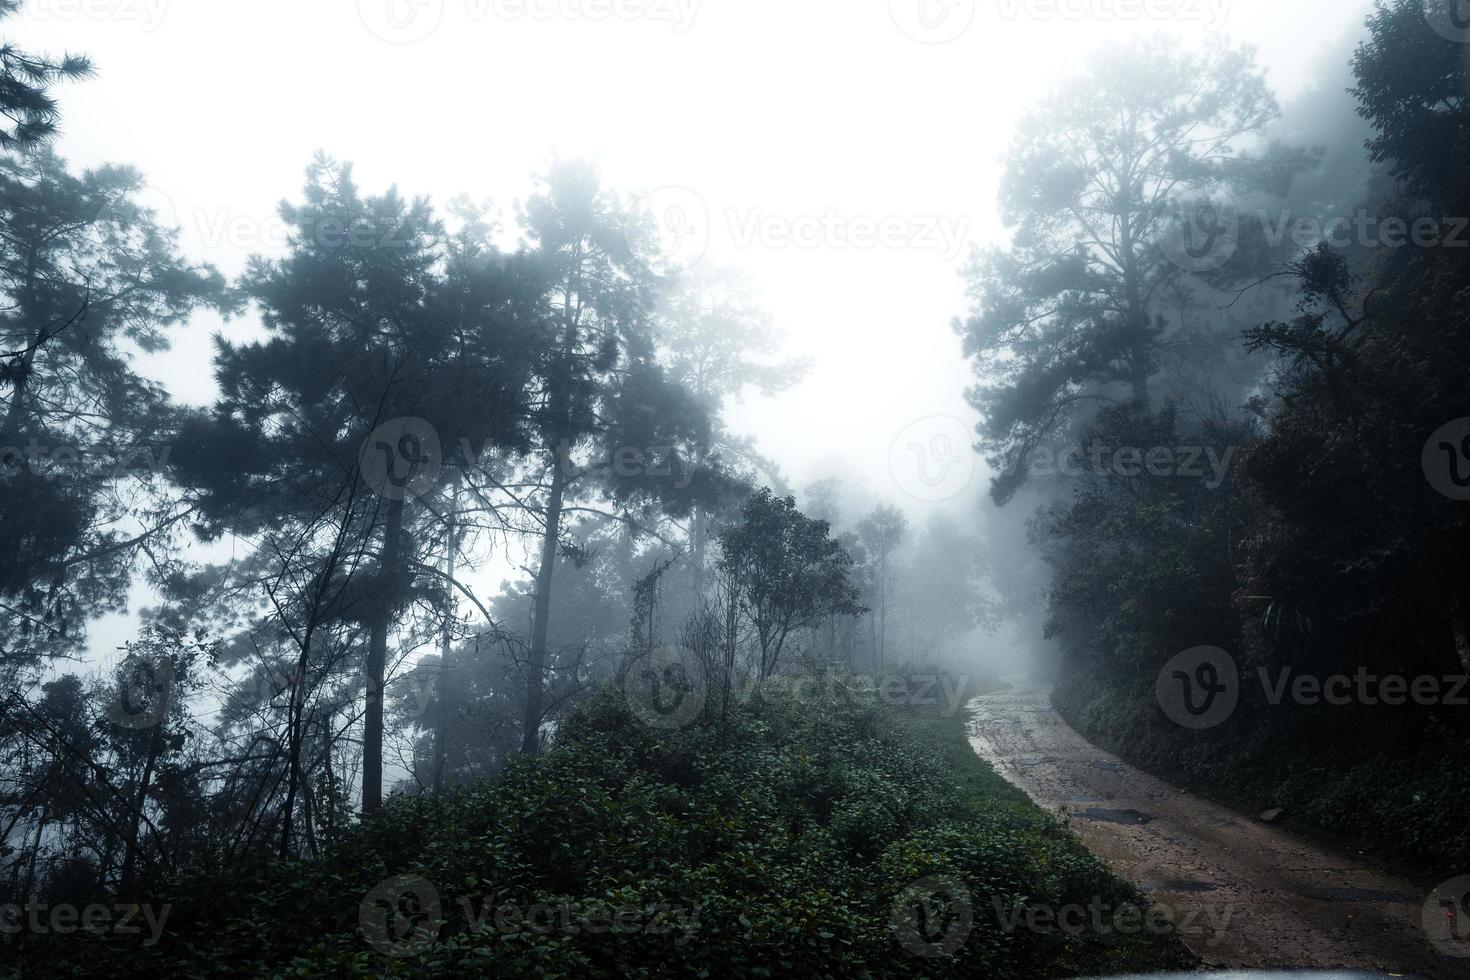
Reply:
x=1244, y=894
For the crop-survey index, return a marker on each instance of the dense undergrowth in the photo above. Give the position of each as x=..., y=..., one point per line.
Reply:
x=1329, y=542
x=1388, y=785
x=777, y=845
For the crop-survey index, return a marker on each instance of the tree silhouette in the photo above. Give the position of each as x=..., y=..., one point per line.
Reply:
x=87, y=276
x=393, y=352
x=25, y=81
x=786, y=572
x=611, y=426
x=1105, y=184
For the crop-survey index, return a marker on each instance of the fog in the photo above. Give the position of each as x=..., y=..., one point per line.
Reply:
x=844, y=158
x=812, y=125
x=947, y=488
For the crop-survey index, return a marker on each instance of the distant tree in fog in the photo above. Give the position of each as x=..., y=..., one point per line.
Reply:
x=718, y=343
x=881, y=533
x=610, y=424
x=786, y=571
x=1100, y=175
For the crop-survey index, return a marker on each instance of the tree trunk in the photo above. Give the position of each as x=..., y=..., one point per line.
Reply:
x=296, y=715
x=135, y=828
x=883, y=612
x=1138, y=317
x=732, y=625
x=372, y=726
x=873, y=641
x=698, y=539
x=1140, y=375
x=35, y=851
x=22, y=371
x=17, y=397
x=446, y=646
x=541, y=614
x=295, y=720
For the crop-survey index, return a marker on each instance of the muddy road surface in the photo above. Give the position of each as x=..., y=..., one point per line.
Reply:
x=1243, y=893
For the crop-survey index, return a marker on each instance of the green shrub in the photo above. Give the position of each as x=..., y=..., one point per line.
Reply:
x=776, y=846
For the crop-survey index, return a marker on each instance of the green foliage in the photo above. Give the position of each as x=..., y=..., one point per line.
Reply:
x=1141, y=563
x=1411, y=86
x=31, y=114
x=787, y=571
x=88, y=277
x=781, y=842
x=1327, y=551
x=1099, y=180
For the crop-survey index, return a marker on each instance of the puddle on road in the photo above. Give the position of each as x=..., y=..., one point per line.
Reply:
x=1359, y=895
x=1132, y=818
x=1176, y=885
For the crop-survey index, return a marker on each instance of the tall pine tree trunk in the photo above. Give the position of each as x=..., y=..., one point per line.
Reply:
x=732, y=626
x=372, y=727
x=1139, y=380
x=140, y=802
x=697, y=546
x=883, y=613
x=446, y=644
x=20, y=373
x=541, y=614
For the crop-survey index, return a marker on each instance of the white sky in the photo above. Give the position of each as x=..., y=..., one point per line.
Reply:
x=786, y=110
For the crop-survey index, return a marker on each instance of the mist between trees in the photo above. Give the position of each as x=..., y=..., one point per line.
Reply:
x=423, y=405
x=1215, y=415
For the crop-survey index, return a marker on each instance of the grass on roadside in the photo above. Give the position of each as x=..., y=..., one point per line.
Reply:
x=803, y=837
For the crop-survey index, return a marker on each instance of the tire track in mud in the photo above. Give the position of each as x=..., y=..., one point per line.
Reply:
x=1243, y=893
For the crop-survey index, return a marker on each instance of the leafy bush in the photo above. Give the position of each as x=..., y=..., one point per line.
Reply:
x=777, y=845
